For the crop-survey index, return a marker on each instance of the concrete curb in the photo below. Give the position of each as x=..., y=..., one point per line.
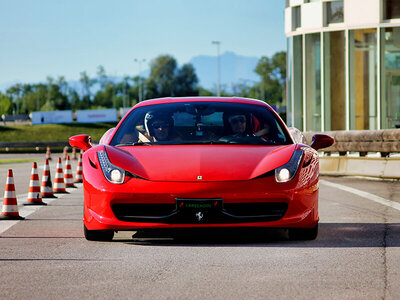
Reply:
x=388, y=168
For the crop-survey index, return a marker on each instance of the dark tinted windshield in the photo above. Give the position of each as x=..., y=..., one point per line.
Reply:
x=201, y=123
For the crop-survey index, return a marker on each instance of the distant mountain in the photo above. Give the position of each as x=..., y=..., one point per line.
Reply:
x=234, y=69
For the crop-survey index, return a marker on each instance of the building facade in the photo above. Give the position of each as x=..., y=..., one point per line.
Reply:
x=343, y=64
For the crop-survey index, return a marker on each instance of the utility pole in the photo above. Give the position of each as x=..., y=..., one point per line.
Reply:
x=218, y=67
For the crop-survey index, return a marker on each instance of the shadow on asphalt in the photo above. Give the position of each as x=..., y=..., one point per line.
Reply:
x=341, y=235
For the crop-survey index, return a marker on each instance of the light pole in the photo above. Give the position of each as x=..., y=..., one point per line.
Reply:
x=139, y=61
x=218, y=67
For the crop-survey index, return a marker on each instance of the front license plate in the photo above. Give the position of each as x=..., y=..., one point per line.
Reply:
x=199, y=210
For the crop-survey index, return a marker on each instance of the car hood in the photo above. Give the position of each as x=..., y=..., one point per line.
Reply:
x=199, y=162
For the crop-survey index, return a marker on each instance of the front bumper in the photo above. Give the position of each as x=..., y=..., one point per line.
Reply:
x=142, y=204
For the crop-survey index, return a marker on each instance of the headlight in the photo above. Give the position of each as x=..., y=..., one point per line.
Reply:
x=111, y=172
x=286, y=172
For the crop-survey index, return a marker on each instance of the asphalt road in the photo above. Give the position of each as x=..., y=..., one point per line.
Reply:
x=356, y=255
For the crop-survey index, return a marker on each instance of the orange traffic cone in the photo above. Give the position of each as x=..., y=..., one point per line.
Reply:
x=34, y=195
x=68, y=177
x=65, y=152
x=48, y=153
x=59, y=185
x=79, y=171
x=73, y=153
x=10, y=205
x=47, y=188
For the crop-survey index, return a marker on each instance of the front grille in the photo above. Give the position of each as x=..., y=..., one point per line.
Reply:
x=213, y=211
x=260, y=209
x=127, y=212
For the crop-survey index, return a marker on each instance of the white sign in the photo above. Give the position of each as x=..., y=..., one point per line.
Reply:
x=51, y=117
x=96, y=116
x=123, y=111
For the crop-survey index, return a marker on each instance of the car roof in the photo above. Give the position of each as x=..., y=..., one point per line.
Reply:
x=201, y=99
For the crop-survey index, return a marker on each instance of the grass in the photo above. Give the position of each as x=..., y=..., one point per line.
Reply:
x=51, y=132
x=12, y=161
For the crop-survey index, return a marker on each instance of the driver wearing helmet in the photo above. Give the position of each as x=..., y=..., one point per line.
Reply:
x=159, y=127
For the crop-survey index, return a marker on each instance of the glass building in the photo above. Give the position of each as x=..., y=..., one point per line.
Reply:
x=343, y=64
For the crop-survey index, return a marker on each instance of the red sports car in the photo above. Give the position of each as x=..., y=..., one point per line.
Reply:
x=200, y=162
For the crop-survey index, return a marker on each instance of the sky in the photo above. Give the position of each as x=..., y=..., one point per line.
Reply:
x=65, y=37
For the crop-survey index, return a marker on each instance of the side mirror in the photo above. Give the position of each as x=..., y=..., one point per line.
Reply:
x=320, y=141
x=82, y=141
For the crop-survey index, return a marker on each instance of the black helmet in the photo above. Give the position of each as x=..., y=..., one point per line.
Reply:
x=153, y=116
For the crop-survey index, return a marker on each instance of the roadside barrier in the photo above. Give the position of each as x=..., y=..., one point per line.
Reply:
x=68, y=177
x=361, y=153
x=59, y=185
x=47, y=188
x=384, y=141
x=79, y=171
x=34, y=195
x=10, y=205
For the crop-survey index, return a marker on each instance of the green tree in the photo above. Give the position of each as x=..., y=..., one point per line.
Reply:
x=273, y=77
x=162, y=77
x=14, y=93
x=167, y=80
x=102, y=77
x=87, y=83
x=55, y=99
x=5, y=104
x=106, y=98
x=186, y=81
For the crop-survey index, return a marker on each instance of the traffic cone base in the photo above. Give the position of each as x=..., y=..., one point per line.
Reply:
x=34, y=203
x=49, y=196
x=11, y=217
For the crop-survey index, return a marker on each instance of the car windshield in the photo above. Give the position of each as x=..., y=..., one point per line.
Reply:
x=201, y=123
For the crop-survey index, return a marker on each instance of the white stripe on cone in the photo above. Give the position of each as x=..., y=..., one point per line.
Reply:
x=10, y=208
x=9, y=194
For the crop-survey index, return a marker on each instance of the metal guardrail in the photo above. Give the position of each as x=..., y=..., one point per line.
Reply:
x=384, y=141
x=32, y=144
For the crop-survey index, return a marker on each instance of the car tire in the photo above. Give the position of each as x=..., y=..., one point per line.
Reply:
x=303, y=234
x=98, y=235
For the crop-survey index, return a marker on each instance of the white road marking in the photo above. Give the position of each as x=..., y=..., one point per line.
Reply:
x=366, y=195
x=25, y=211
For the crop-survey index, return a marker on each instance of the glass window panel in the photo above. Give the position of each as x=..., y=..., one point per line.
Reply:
x=296, y=17
x=390, y=78
x=313, y=82
x=298, y=82
x=334, y=80
x=363, y=79
x=391, y=9
x=289, y=63
x=334, y=12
